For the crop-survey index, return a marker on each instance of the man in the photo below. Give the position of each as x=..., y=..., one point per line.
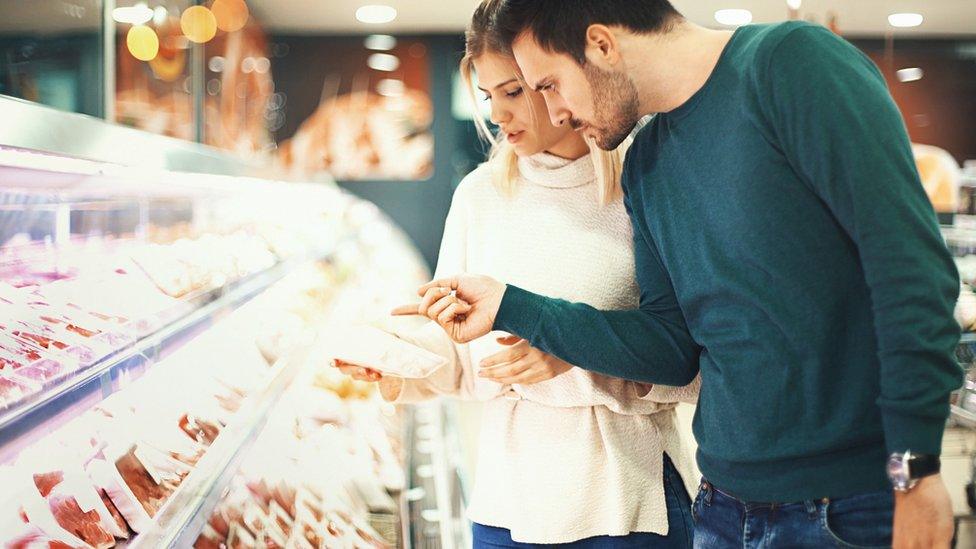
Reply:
x=784, y=247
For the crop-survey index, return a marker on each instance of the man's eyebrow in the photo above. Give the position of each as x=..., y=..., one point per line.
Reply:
x=542, y=84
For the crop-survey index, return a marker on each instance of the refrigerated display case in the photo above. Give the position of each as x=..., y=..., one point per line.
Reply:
x=164, y=379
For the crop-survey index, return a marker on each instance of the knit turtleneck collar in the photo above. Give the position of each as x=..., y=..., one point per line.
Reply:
x=549, y=170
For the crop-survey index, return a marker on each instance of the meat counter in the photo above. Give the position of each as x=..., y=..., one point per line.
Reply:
x=162, y=378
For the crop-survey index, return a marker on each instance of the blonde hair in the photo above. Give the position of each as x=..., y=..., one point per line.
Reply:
x=480, y=39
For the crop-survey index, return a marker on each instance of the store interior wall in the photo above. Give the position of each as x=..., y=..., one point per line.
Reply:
x=939, y=109
x=419, y=207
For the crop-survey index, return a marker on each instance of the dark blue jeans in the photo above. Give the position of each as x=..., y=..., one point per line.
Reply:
x=863, y=521
x=680, y=526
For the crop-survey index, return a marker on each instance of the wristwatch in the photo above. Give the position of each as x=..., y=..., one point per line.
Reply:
x=905, y=470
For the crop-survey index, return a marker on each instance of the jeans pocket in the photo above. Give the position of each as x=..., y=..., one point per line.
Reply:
x=860, y=522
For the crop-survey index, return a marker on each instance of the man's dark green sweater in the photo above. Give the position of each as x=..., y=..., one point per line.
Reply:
x=786, y=250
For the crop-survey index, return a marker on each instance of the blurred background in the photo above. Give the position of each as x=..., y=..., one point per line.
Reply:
x=367, y=94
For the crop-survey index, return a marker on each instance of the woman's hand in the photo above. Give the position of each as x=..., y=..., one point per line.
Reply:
x=389, y=386
x=521, y=364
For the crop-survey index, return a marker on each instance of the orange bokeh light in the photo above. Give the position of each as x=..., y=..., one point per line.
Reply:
x=231, y=14
x=198, y=24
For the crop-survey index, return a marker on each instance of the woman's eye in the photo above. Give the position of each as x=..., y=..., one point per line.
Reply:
x=515, y=93
x=486, y=97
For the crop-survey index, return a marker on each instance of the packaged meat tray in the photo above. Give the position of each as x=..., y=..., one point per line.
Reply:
x=24, y=361
x=26, y=518
x=380, y=350
x=14, y=390
x=138, y=480
x=124, y=298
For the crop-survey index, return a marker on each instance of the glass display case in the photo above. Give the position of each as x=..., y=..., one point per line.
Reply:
x=162, y=380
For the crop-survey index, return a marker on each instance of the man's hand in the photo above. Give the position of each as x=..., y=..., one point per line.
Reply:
x=521, y=364
x=465, y=305
x=923, y=516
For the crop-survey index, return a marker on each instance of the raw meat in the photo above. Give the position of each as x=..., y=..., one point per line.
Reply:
x=152, y=496
x=12, y=391
x=85, y=525
x=113, y=510
x=46, y=482
x=199, y=429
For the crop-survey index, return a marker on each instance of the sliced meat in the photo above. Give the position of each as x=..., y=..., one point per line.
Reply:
x=113, y=510
x=85, y=526
x=46, y=482
x=152, y=496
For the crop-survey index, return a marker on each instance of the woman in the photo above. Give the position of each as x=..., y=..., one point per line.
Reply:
x=566, y=456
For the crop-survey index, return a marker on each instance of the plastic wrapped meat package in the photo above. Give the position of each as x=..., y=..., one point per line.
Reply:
x=21, y=360
x=146, y=423
x=14, y=390
x=169, y=274
x=124, y=298
x=85, y=337
x=26, y=325
x=79, y=508
x=30, y=520
x=210, y=261
x=138, y=480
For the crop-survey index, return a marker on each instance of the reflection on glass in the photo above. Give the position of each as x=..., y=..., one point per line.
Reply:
x=153, y=91
x=238, y=109
x=352, y=112
x=51, y=53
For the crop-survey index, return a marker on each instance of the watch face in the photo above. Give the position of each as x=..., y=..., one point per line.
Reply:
x=897, y=470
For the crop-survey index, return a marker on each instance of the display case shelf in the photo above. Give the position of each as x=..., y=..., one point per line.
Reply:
x=180, y=522
x=39, y=414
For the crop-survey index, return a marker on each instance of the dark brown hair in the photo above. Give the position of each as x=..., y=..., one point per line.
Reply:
x=559, y=26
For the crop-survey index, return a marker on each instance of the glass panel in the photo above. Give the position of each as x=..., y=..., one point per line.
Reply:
x=154, y=90
x=356, y=107
x=51, y=53
x=239, y=110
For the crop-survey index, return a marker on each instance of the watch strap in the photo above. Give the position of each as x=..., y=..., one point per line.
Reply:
x=923, y=465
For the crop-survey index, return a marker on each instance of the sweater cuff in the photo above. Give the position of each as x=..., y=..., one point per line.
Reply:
x=519, y=312
x=921, y=435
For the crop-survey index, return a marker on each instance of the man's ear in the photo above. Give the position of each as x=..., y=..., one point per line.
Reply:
x=602, y=45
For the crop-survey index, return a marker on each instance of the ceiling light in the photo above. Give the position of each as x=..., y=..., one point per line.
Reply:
x=910, y=74
x=160, y=15
x=376, y=14
x=135, y=15
x=380, y=42
x=794, y=4
x=905, y=20
x=733, y=18
x=383, y=62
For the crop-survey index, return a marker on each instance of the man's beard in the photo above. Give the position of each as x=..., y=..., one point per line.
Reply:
x=615, y=107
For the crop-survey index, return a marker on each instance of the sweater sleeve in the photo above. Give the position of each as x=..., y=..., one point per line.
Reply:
x=831, y=111
x=650, y=344
x=455, y=378
x=666, y=394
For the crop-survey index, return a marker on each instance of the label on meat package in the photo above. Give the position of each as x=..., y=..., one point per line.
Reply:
x=141, y=454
